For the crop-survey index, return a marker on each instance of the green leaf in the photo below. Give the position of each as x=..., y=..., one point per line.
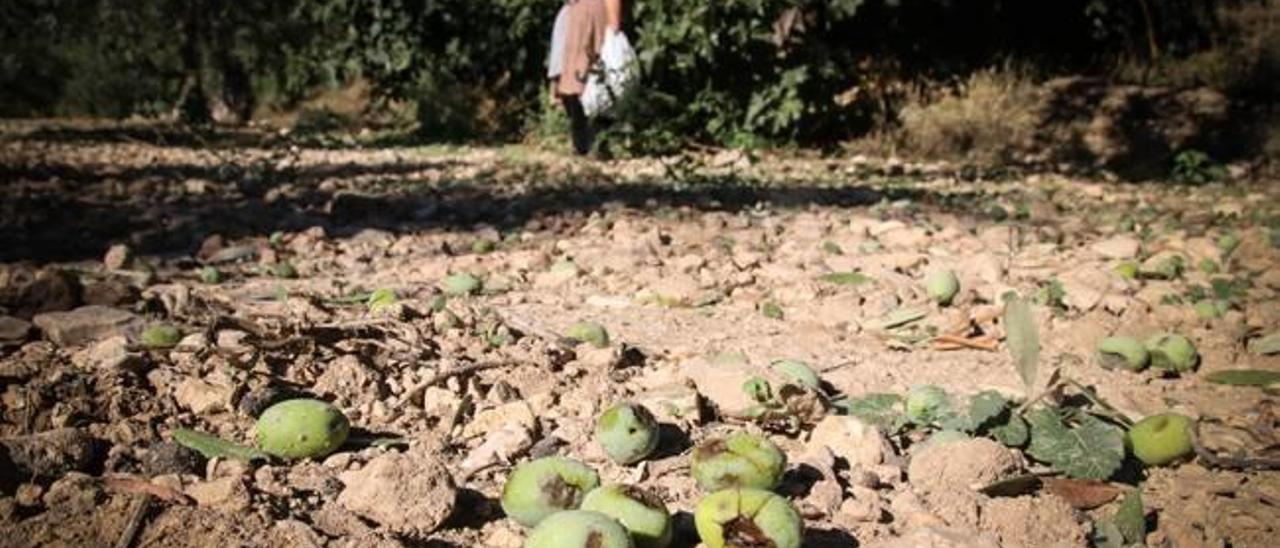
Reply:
x=898, y=318
x=1267, y=345
x=847, y=278
x=1091, y=450
x=1244, y=377
x=985, y=406
x=1131, y=518
x=1023, y=338
x=1013, y=433
x=882, y=410
x=214, y=447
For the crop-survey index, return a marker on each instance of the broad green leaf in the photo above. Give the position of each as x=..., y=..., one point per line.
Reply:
x=1091, y=450
x=1244, y=377
x=1023, y=338
x=1131, y=518
x=899, y=318
x=1013, y=433
x=882, y=410
x=985, y=406
x=1267, y=345
x=847, y=278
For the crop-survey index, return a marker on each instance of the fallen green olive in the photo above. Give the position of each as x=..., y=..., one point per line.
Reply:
x=1172, y=352
x=1123, y=353
x=643, y=515
x=627, y=432
x=739, y=460
x=302, y=428
x=942, y=286
x=161, y=336
x=1161, y=439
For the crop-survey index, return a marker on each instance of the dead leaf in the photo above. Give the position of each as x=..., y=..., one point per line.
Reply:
x=953, y=342
x=138, y=486
x=1082, y=494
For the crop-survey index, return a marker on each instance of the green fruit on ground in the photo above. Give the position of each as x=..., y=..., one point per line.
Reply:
x=302, y=428
x=579, y=529
x=458, y=285
x=1127, y=270
x=210, y=275
x=740, y=518
x=284, y=270
x=942, y=286
x=925, y=403
x=798, y=371
x=1161, y=439
x=539, y=488
x=161, y=336
x=1123, y=353
x=644, y=515
x=627, y=432
x=588, y=332
x=483, y=245
x=1172, y=352
x=739, y=460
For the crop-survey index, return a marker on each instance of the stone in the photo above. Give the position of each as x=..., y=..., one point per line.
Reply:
x=848, y=438
x=1085, y=287
x=226, y=493
x=409, y=493
x=50, y=454
x=26, y=291
x=85, y=324
x=111, y=353
x=109, y=293
x=14, y=330
x=492, y=420
x=118, y=257
x=203, y=397
x=939, y=537
x=1117, y=247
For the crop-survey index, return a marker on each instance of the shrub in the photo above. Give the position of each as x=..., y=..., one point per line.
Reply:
x=990, y=118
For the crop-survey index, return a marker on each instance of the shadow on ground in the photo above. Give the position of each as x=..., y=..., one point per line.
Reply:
x=59, y=211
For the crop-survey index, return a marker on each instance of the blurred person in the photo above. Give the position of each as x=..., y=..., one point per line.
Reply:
x=576, y=39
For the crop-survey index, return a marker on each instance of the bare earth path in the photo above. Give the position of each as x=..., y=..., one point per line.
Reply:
x=678, y=261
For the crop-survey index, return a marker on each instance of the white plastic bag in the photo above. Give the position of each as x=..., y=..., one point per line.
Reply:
x=613, y=75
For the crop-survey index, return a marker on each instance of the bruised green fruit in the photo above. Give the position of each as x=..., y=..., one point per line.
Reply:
x=748, y=518
x=284, y=270
x=579, y=529
x=302, y=428
x=925, y=403
x=588, y=332
x=1172, y=352
x=643, y=515
x=627, y=432
x=161, y=336
x=458, y=285
x=1161, y=439
x=1123, y=353
x=542, y=487
x=739, y=460
x=210, y=275
x=798, y=371
x=942, y=286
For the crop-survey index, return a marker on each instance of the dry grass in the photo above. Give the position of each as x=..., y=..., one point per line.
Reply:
x=990, y=118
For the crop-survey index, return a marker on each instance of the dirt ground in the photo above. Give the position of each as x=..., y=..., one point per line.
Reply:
x=678, y=259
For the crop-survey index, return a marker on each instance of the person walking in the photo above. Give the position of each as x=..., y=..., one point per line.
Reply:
x=576, y=38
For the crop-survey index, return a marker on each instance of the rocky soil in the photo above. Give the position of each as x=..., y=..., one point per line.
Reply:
x=702, y=270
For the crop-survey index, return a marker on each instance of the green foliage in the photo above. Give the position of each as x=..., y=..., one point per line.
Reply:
x=882, y=410
x=1089, y=449
x=1196, y=167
